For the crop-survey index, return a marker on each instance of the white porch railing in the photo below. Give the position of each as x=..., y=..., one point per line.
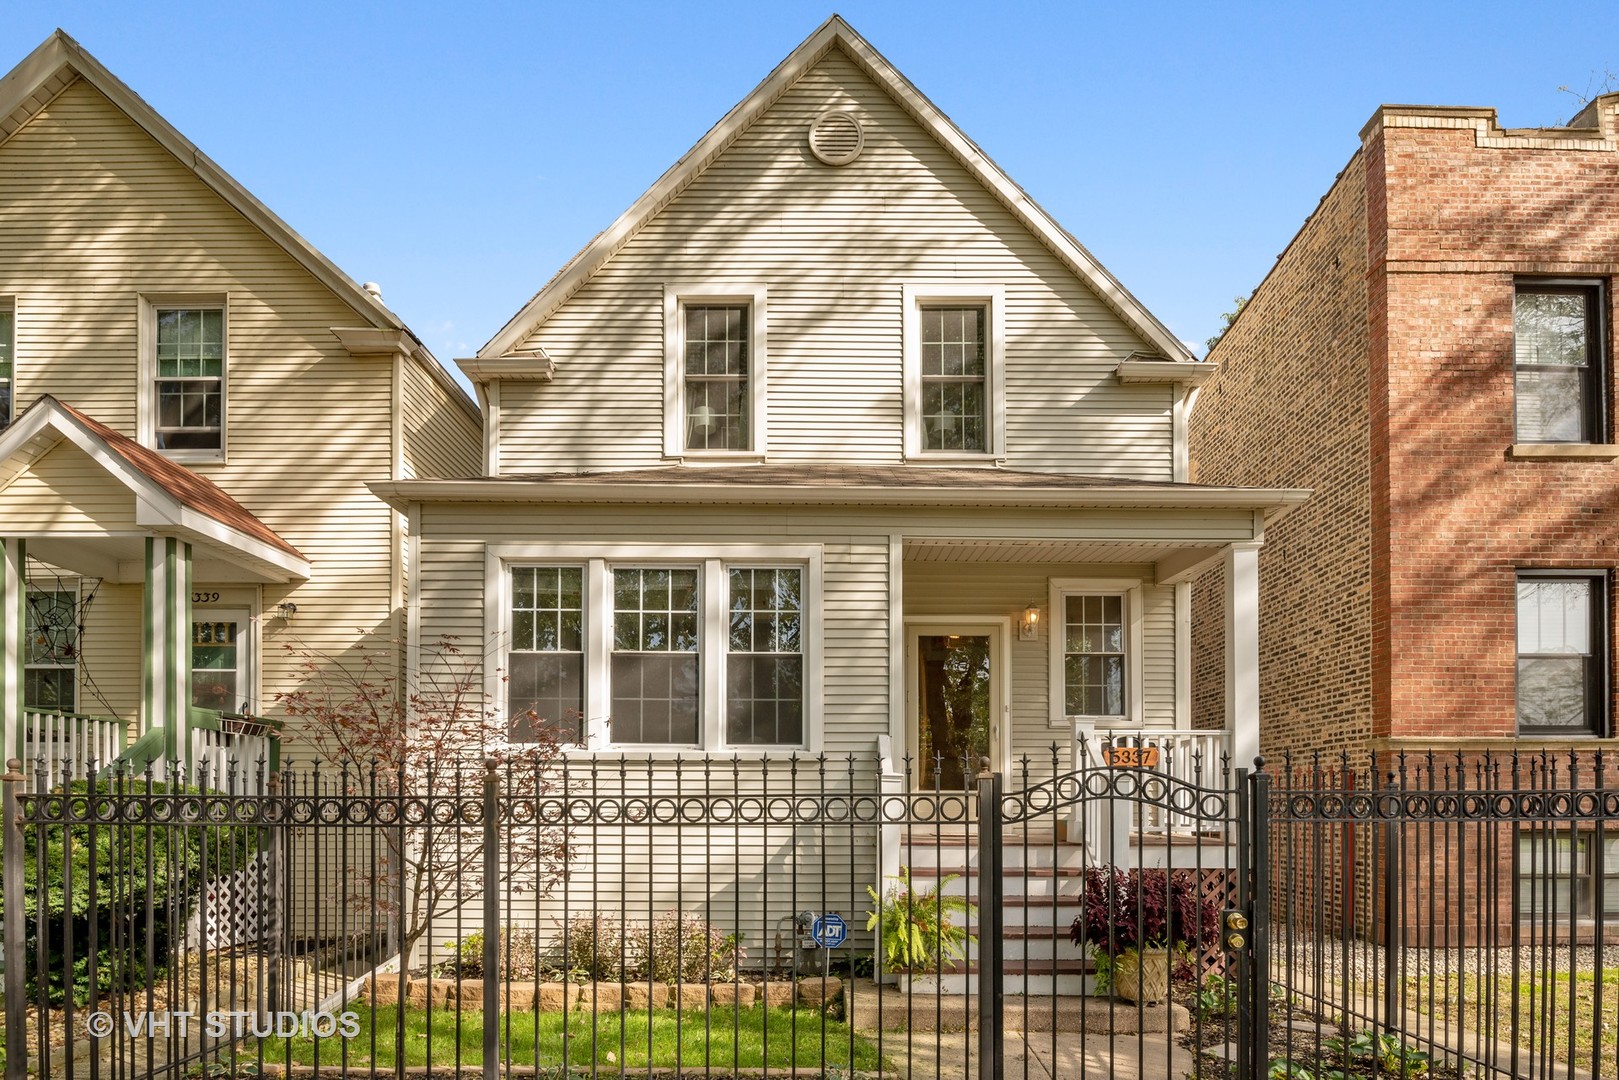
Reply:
x=68, y=744
x=1201, y=757
x=234, y=753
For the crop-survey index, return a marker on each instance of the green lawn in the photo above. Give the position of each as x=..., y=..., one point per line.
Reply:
x=723, y=1037
x=1543, y=1020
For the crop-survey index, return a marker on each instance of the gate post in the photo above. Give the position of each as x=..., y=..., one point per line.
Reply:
x=991, y=981
x=16, y=929
x=1259, y=920
x=491, y=921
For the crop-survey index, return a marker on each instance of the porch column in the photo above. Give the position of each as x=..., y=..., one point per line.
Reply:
x=13, y=624
x=166, y=636
x=1242, y=652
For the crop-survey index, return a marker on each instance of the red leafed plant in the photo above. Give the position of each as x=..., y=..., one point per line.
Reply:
x=1143, y=909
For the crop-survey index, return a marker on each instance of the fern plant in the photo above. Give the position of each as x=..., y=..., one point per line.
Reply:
x=921, y=930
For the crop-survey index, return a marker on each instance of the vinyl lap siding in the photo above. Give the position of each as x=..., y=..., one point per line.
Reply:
x=834, y=247
x=441, y=440
x=65, y=491
x=94, y=214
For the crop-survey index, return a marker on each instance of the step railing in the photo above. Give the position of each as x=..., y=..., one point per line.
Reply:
x=62, y=744
x=1200, y=757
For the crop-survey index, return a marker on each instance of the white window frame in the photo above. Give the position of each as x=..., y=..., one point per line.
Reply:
x=74, y=588
x=8, y=306
x=1130, y=589
x=914, y=297
x=712, y=561
x=146, y=391
x=676, y=298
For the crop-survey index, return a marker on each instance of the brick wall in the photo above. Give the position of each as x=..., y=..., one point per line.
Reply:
x=1288, y=408
x=1464, y=221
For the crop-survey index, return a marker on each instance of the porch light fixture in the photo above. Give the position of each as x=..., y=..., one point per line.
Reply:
x=286, y=610
x=1029, y=629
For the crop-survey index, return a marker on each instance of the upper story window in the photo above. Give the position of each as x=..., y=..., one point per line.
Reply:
x=1557, y=354
x=714, y=356
x=184, y=371
x=1562, y=650
x=8, y=350
x=954, y=359
x=190, y=378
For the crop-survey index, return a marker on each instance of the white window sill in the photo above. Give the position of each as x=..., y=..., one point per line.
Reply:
x=946, y=457
x=719, y=457
x=1564, y=451
x=687, y=753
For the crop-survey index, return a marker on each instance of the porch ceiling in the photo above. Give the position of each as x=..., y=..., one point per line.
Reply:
x=1174, y=559
x=121, y=558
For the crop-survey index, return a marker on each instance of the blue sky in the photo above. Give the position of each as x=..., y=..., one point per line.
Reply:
x=459, y=153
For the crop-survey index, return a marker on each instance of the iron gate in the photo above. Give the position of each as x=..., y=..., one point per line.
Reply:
x=615, y=916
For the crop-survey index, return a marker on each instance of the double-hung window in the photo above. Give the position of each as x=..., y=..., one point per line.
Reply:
x=954, y=344
x=715, y=359
x=8, y=350
x=647, y=645
x=184, y=361
x=51, y=650
x=1562, y=653
x=1095, y=659
x=1557, y=353
x=545, y=686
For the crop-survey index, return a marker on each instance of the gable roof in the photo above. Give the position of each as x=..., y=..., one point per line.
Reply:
x=166, y=487
x=54, y=65
x=835, y=33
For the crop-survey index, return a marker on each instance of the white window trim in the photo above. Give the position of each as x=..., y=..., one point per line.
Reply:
x=247, y=669
x=8, y=305
x=1134, y=678
x=712, y=560
x=913, y=297
x=676, y=297
x=74, y=587
x=146, y=391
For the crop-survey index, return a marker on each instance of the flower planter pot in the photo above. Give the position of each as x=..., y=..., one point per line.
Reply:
x=1142, y=976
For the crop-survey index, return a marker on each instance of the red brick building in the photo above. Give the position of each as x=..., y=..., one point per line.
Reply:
x=1433, y=354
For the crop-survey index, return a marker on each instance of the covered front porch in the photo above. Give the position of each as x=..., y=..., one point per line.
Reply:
x=106, y=657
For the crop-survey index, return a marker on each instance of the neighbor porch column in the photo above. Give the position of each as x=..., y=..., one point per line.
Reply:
x=13, y=624
x=1242, y=652
x=166, y=635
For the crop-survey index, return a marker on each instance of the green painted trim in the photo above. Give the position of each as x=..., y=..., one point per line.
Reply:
x=204, y=719
x=168, y=659
x=182, y=641
x=146, y=752
x=149, y=643
x=13, y=623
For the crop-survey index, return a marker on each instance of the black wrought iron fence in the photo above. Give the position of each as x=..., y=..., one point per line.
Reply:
x=1447, y=914
x=616, y=916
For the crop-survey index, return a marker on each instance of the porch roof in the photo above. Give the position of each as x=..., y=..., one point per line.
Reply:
x=893, y=485
x=169, y=498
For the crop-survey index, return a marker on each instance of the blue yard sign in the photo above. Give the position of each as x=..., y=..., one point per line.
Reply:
x=830, y=931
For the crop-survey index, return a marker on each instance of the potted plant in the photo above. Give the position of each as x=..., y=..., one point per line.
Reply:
x=921, y=930
x=1134, y=918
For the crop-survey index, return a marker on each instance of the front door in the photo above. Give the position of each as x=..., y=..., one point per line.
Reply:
x=955, y=710
x=220, y=668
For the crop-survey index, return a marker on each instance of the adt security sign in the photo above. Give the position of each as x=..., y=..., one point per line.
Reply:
x=830, y=931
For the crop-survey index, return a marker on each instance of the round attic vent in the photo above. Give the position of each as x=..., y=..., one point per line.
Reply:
x=835, y=138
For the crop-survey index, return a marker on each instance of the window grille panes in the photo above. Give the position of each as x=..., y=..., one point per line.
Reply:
x=190, y=378
x=50, y=650
x=1093, y=656
x=954, y=367
x=1557, y=381
x=215, y=665
x=546, y=688
x=8, y=337
x=764, y=670
x=717, y=377
x=1558, y=633
x=655, y=664
x=1566, y=875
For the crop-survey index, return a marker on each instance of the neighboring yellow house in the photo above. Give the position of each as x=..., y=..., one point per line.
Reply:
x=194, y=401
x=832, y=413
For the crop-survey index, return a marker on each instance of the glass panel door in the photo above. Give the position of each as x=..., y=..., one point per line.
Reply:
x=954, y=708
x=218, y=662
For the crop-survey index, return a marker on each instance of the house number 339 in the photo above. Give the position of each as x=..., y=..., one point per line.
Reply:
x=204, y=598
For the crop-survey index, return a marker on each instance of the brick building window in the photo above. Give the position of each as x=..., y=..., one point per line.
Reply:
x=1562, y=650
x=1557, y=359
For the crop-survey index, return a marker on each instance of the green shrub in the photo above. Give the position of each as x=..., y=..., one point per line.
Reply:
x=921, y=930
x=593, y=948
x=181, y=858
x=518, y=950
x=682, y=948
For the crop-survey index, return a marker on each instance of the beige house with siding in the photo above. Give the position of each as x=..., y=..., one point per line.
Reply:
x=195, y=401
x=835, y=442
